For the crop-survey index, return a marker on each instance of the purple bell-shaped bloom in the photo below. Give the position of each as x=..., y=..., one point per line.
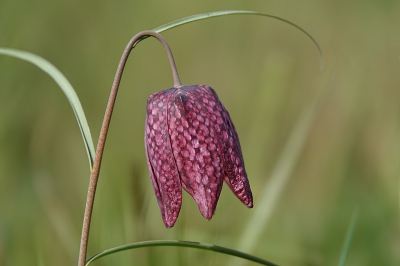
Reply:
x=192, y=143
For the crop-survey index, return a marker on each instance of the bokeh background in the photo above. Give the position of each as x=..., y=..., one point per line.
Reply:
x=317, y=145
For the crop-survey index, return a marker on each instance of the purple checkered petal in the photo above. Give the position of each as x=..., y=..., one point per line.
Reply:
x=162, y=167
x=235, y=173
x=196, y=148
x=192, y=142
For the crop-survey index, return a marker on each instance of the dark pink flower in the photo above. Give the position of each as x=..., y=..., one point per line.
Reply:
x=192, y=143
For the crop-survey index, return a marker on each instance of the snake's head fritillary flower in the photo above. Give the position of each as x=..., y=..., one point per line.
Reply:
x=192, y=143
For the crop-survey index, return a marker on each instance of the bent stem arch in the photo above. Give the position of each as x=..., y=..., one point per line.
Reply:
x=104, y=129
x=94, y=176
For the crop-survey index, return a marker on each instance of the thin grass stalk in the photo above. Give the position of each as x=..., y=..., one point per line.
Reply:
x=349, y=236
x=280, y=176
x=178, y=243
x=104, y=130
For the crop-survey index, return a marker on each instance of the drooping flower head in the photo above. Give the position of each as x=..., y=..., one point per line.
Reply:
x=192, y=143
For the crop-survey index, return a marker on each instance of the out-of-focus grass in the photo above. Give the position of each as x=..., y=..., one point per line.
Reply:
x=266, y=74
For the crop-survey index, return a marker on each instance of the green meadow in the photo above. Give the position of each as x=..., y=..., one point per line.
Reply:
x=320, y=147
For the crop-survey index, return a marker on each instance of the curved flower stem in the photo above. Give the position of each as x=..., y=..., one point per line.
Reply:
x=104, y=129
x=178, y=243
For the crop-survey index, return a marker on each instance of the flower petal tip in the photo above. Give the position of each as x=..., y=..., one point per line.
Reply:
x=248, y=201
x=169, y=224
x=170, y=219
x=207, y=215
x=206, y=208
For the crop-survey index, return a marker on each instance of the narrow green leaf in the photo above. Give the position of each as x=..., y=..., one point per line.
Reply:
x=197, y=17
x=349, y=236
x=66, y=87
x=178, y=243
x=273, y=189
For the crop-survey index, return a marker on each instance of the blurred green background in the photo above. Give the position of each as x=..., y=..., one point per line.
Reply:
x=316, y=144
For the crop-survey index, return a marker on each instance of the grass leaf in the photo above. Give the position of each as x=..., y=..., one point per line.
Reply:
x=177, y=243
x=197, y=17
x=281, y=173
x=66, y=87
x=277, y=182
x=349, y=236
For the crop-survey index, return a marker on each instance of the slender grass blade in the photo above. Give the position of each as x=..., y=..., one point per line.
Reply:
x=280, y=176
x=349, y=237
x=197, y=17
x=66, y=87
x=177, y=243
x=274, y=187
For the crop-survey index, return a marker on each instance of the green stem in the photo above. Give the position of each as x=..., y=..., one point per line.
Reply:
x=94, y=176
x=178, y=243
